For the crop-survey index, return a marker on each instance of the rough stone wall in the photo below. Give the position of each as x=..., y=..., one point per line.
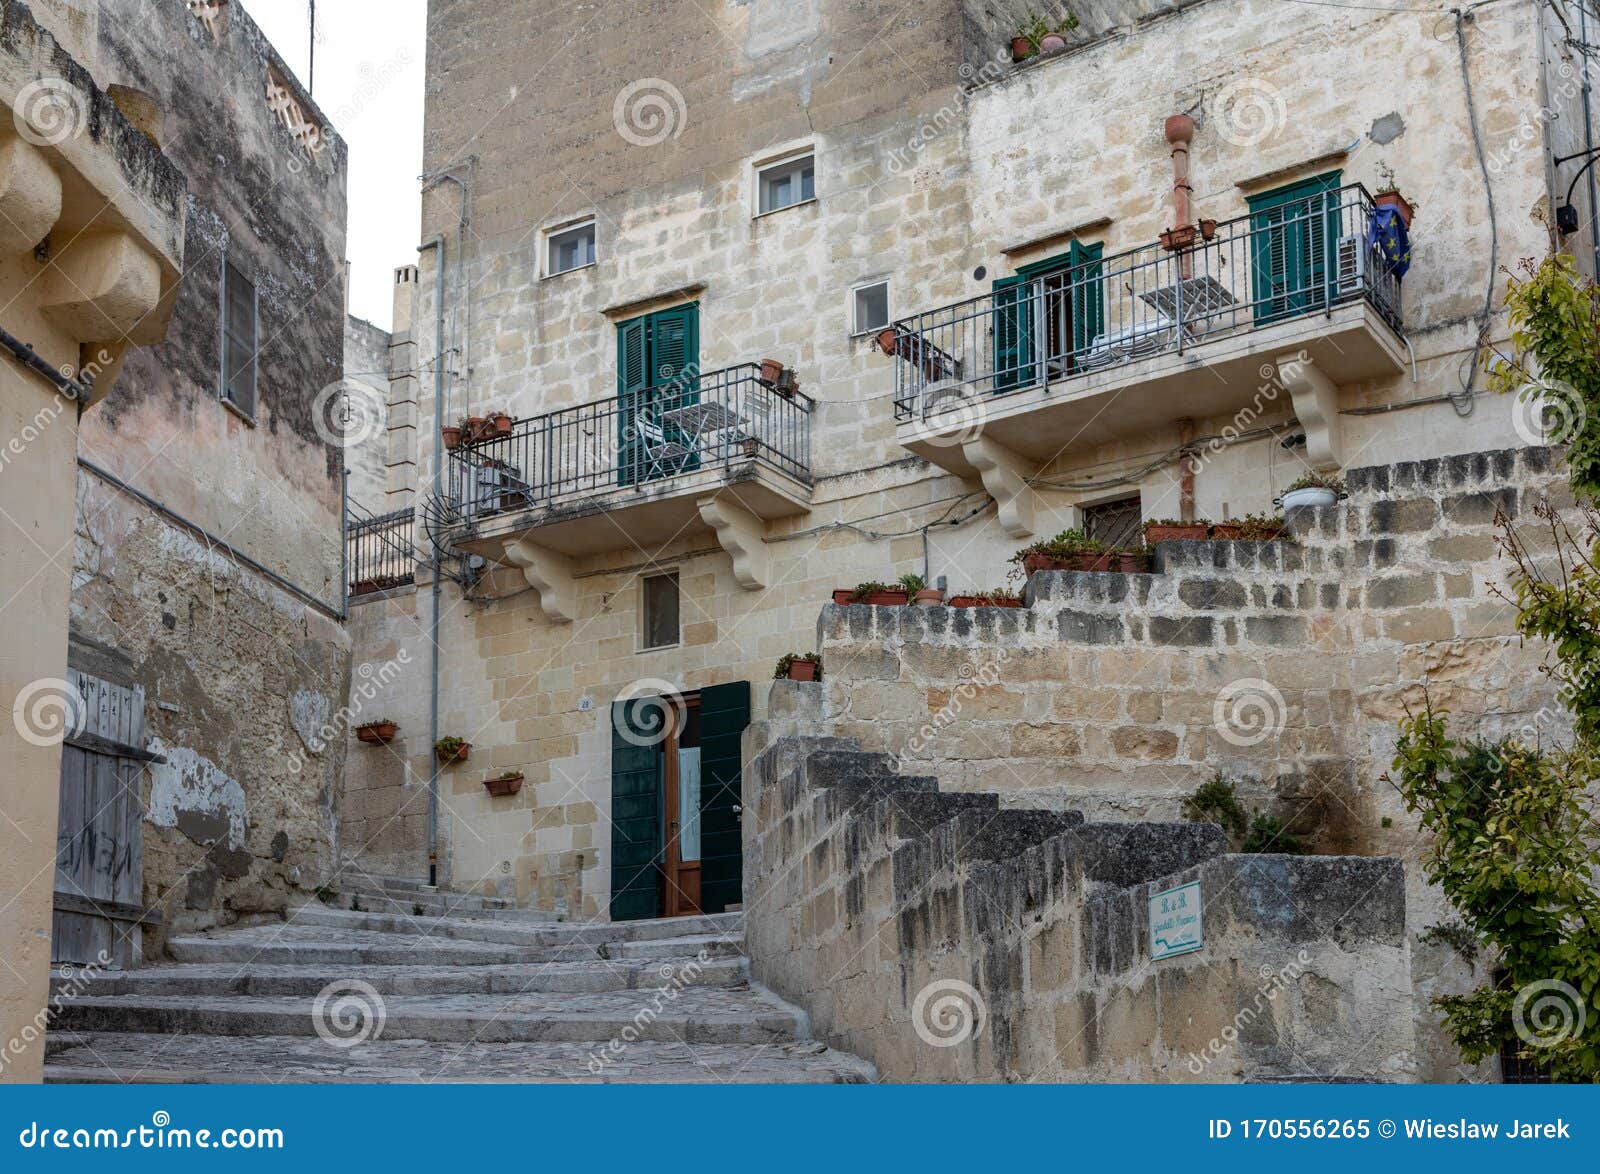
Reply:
x=240, y=672
x=945, y=939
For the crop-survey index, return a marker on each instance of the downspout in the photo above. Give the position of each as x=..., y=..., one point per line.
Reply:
x=435, y=243
x=344, y=536
x=1179, y=129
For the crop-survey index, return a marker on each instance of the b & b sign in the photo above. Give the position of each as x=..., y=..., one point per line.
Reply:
x=1175, y=922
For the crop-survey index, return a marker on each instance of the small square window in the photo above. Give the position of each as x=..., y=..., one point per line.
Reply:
x=870, y=308
x=571, y=248
x=783, y=185
x=660, y=611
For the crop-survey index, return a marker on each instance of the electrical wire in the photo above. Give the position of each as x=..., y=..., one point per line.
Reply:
x=1464, y=406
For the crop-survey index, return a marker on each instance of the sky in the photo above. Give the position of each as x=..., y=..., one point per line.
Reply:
x=368, y=83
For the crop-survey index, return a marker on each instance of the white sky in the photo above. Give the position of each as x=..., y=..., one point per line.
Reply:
x=368, y=83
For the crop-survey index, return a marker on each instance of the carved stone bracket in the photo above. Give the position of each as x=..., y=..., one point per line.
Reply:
x=548, y=573
x=1005, y=476
x=743, y=535
x=1316, y=405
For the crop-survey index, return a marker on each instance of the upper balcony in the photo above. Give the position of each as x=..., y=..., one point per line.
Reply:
x=723, y=451
x=1298, y=299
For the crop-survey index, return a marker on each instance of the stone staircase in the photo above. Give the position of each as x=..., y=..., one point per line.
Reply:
x=484, y=993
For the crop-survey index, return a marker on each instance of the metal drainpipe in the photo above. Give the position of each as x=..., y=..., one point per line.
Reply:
x=435, y=243
x=344, y=537
x=1179, y=129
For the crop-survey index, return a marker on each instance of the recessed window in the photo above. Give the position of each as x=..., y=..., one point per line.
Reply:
x=660, y=611
x=571, y=248
x=869, y=308
x=239, y=320
x=1115, y=523
x=783, y=185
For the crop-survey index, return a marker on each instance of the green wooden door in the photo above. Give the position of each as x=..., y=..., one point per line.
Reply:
x=658, y=369
x=724, y=714
x=1293, y=231
x=1013, y=333
x=636, y=843
x=1074, y=301
x=1088, y=299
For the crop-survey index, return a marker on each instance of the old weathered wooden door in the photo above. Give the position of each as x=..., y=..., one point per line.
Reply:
x=99, y=845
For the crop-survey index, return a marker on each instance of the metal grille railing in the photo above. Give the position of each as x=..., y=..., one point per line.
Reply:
x=379, y=550
x=1262, y=268
x=697, y=421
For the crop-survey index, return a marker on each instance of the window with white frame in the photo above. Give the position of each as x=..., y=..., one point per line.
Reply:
x=571, y=248
x=787, y=183
x=869, y=308
x=660, y=611
x=239, y=332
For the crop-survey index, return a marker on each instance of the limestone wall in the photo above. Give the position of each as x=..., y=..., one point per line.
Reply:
x=945, y=939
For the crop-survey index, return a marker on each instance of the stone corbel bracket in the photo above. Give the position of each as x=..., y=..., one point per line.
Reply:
x=1005, y=477
x=1316, y=406
x=743, y=535
x=548, y=573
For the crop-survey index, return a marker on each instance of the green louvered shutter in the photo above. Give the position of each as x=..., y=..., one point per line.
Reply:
x=1013, y=338
x=1293, y=231
x=635, y=815
x=675, y=375
x=1088, y=299
x=633, y=366
x=724, y=714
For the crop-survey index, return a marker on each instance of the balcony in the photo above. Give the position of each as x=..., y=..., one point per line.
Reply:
x=1298, y=303
x=720, y=451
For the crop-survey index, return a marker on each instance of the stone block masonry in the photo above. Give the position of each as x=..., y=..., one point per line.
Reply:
x=944, y=938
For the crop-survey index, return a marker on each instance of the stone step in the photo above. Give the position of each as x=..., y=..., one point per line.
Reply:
x=277, y=980
x=705, y=946
x=514, y=931
x=136, y=1058
x=689, y=1015
x=417, y=905
x=311, y=946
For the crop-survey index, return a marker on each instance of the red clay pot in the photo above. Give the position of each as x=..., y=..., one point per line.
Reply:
x=1021, y=48
x=1094, y=562
x=898, y=597
x=1227, y=531
x=803, y=670
x=376, y=732
x=1133, y=562
x=474, y=429
x=500, y=788
x=1208, y=229
x=500, y=424
x=771, y=370
x=843, y=595
x=1179, y=238
x=1034, y=563
x=460, y=753
x=1188, y=532
x=452, y=435
x=888, y=340
x=930, y=597
x=1397, y=201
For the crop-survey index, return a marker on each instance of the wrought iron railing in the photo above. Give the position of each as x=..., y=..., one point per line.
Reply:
x=698, y=421
x=379, y=550
x=1262, y=268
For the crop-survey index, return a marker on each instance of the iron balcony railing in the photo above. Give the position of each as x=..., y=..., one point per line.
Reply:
x=379, y=552
x=1299, y=258
x=697, y=421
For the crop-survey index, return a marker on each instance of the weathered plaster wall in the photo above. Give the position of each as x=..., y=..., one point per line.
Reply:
x=366, y=363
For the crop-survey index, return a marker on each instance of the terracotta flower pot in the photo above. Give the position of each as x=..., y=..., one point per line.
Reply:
x=459, y=754
x=803, y=670
x=1186, y=532
x=888, y=340
x=375, y=732
x=1094, y=562
x=1208, y=229
x=474, y=429
x=452, y=435
x=1052, y=43
x=964, y=601
x=1133, y=562
x=500, y=424
x=1180, y=237
x=1021, y=48
x=1228, y=531
x=843, y=595
x=894, y=597
x=502, y=787
x=771, y=370
x=1034, y=563
x=1397, y=201
x=750, y=446
x=930, y=596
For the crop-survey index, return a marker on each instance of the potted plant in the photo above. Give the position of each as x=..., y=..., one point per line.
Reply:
x=1260, y=528
x=1313, y=489
x=919, y=590
x=1021, y=47
x=1388, y=196
x=452, y=749
x=1133, y=560
x=799, y=666
x=888, y=340
x=472, y=429
x=1227, y=531
x=451, y=434
x=771, y=371
x=1180, y=237
x=1168, y=529
x=500, y=424
x=1208, y=229
x=880, y=594
x=382, y=730
x=1069, y=550
x=997, y=597
x=750, y=446
x=503, y=784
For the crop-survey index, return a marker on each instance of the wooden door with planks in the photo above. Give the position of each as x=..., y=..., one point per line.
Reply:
x=99, y=841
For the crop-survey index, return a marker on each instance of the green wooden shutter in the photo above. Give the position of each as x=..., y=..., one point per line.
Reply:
x=633, y=365
x=724, y=714
x=1013, y=337
x=1293, y=231
x=658, y=369
x=1088, y=298
x=635, y=815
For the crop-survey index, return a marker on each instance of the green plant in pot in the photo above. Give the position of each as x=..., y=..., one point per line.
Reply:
x=1176, y=529
x=1312, y=489
x=452, y=749
x=798, y=666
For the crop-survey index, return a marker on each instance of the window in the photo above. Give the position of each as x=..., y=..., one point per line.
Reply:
x=571, y=248
x=1115, y=523
x=1052, y=310
x=660, y=611
x=783, y=185
x=870, y=308
x=239, y=310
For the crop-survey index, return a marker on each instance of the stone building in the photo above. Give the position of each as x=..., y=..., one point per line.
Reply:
x=785, y=297
x=93, y=239
x=206, y=573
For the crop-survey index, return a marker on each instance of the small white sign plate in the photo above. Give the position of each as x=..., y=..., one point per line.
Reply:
x=1175, y=926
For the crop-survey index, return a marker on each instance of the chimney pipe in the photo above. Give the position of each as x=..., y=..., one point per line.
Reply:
x=1179, y=129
